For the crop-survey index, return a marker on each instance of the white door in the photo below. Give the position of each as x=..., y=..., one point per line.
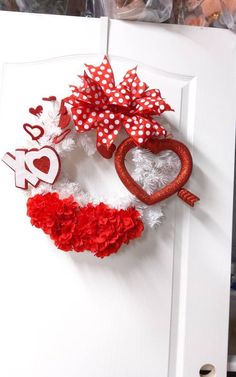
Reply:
x=159, y=307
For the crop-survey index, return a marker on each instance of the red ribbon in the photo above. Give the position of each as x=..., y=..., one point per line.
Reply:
x=99, y=103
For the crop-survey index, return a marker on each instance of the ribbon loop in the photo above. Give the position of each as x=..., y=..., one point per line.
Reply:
x=99, y=103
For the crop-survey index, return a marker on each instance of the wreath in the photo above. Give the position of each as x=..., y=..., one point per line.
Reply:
x=91, y=118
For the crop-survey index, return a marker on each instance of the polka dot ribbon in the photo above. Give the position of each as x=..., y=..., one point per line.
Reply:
x=99, y=103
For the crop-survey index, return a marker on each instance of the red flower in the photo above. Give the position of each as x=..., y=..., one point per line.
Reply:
x=64, y=226
x=55, y=216
x=100, y=229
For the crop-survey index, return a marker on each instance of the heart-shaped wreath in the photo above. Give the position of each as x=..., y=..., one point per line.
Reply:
x=72, y=218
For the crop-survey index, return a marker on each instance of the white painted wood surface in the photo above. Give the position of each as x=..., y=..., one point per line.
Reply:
x=159, y=307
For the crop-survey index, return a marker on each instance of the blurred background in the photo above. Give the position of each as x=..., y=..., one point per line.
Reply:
x=211, y=13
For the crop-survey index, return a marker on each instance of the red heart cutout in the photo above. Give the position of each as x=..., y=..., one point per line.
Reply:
x=36, y=132
x=51, y=98
x=155, y=146
x=37, y=111
x=42, y=164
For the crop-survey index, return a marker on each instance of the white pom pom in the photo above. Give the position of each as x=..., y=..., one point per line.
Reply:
x=88, y=143
x=153, y=216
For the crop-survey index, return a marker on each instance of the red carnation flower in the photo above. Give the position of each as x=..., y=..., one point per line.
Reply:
x=55, y=216
x=64, y=226
x=100, y=229
x=42, y=210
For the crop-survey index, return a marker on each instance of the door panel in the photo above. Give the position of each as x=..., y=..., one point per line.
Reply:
x=160, y=306
x=105, y=310
x=203, y=235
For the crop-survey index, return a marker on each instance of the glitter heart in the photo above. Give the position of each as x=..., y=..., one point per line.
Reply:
x=157, y=146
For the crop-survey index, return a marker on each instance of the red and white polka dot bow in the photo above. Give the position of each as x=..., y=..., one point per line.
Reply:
x=99, y=103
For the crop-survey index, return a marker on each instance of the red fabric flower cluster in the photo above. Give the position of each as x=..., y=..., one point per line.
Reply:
x=99, y=229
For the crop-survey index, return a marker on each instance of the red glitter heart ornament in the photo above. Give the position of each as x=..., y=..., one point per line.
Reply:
x=176, y=186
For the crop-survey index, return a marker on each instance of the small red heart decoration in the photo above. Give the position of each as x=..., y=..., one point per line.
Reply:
x=37, y=111
x=42, y=164
x=36, y=132
x=51, y=98
x=156, y=146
